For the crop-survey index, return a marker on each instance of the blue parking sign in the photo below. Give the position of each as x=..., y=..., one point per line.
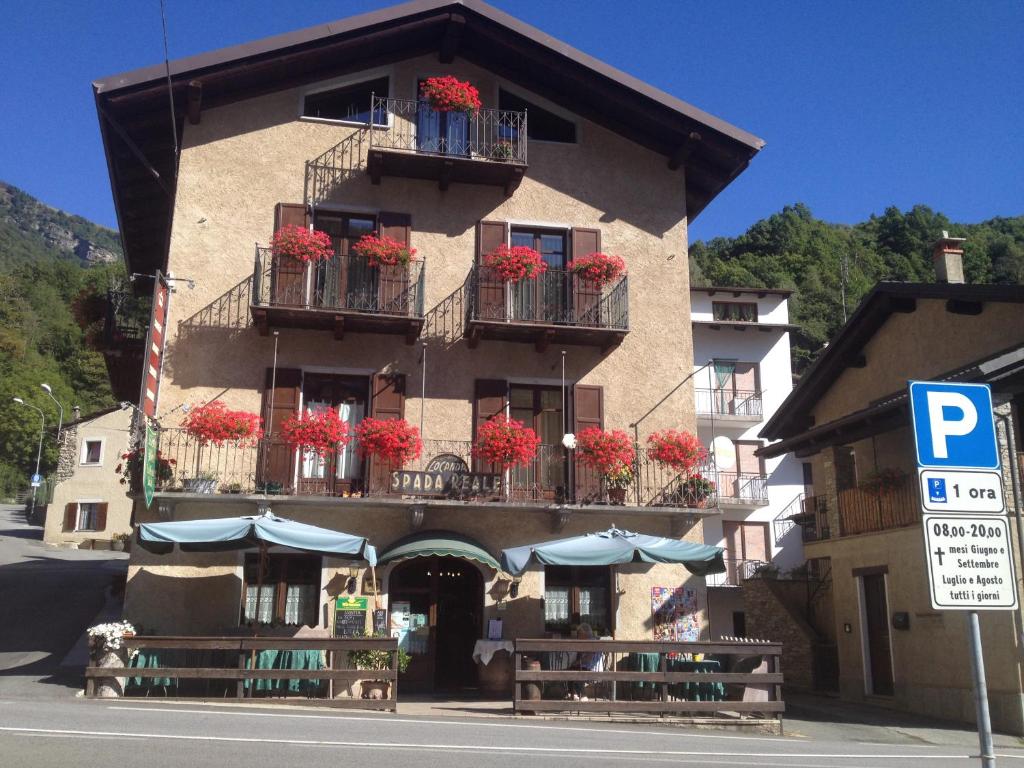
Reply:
x=953, y=426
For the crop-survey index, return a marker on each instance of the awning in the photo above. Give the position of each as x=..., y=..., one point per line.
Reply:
x=441, y=544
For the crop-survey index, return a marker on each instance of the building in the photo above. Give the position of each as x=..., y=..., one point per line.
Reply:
x=742, y=374
x=89, y=505
x=322, y=128
x=848, y=417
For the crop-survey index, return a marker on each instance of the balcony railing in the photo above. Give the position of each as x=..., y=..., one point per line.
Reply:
x=740, y=488
x=744, y=404
x=126, y=319
x=874, y=507
x=268, y=465
x=813, y=518
x=737, y=570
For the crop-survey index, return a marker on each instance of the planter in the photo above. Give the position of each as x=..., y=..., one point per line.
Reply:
x=111, y=687
x=617, y=496
x=117, y=545
x=200, y=485
x=374, y=689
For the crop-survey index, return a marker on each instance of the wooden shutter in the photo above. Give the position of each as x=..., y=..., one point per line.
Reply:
x=490, y=398
x=388, y=403
x=101, y=516
x=393, y=282
x=277, y=460
x=70, y=513
x=288, y=275
x=587, y=411
x=585, y=294
x=490, y=298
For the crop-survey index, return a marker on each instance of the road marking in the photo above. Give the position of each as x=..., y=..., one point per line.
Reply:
x=469, y=747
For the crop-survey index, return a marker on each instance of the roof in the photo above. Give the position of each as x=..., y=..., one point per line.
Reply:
x=711, y=290
x=793, y=416
x=441, y=544
x=93, y=416
x=134, y=110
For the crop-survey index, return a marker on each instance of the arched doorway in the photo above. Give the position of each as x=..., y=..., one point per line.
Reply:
x=445, y=596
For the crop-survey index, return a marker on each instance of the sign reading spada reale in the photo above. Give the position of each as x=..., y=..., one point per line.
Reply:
x=445, y=475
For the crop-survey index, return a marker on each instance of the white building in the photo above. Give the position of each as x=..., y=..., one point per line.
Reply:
x=742, y=373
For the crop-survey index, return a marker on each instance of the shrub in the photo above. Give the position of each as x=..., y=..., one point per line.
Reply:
x=682, y=451
x=505, y=442
x=393, y=440
x=609, y=453
x=321, y=431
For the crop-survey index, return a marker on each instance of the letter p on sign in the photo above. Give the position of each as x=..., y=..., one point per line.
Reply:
x=953, y=425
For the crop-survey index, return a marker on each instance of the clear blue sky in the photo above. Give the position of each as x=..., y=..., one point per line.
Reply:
x=863, y=104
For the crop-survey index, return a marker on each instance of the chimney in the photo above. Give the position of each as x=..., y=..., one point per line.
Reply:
x=76, y=412
x=948, y=259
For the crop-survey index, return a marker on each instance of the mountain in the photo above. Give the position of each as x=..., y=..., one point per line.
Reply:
x=831, y=266
x=55, y=270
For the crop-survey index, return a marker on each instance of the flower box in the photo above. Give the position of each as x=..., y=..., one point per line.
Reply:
x=599, y=268
x=302, y=244
x=681, y=451
x=381, y=250
x=449, y=94
x=505, y=443
x=515, y=263
x=216, y=423
x=321, y=432
x=392, y=440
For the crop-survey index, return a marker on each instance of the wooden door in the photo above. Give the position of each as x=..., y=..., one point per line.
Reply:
x=288, y=275
x=393, y=282
x=490, y=289
x=744, y=542
x=387, y=402
x=585, y=294
x=490, y=399
x=588, y=411
x=876, y=617
x=749, y=470
x=281, y=393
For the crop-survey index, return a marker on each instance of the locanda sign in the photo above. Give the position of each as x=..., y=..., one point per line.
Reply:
x=445, y=475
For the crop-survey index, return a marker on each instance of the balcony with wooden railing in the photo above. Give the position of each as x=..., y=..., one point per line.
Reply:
x=871, y=507
x=416, y=141
x=557, y=307
x=342, y=293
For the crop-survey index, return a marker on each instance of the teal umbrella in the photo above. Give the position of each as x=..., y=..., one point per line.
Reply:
x=613, y=547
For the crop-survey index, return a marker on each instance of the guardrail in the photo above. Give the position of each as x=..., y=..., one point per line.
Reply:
x=240, y=659
x=651, y=677
x=729, y=402
x=741, y=488
x=737, y=570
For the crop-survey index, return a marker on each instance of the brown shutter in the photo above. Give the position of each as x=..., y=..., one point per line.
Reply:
x=393, y=295
x=586, y=294
x=490, y=297
x=276, y=462
x=288, y=275
x=388, y=403
x=70, y=513
x=490, y=399
x=587, y=411
x=101, y=516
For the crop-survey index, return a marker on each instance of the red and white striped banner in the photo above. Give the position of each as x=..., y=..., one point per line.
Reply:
x=155, y=348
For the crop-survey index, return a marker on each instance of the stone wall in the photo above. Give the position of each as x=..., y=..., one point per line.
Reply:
x=770, y=616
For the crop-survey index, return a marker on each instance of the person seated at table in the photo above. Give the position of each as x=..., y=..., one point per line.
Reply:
x=587, y=660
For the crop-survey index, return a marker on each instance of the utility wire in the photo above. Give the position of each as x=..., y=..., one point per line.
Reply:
x=170, y=88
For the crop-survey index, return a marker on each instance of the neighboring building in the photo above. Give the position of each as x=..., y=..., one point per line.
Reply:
x=741, y=357
x=282, y=131
x=89, y=502
x=849, y=416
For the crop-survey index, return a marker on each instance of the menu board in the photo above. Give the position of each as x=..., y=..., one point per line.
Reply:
x=350, y=616
x=380, y=622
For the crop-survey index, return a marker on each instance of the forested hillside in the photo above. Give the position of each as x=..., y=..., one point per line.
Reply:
x=793, y=249
x=53, y=268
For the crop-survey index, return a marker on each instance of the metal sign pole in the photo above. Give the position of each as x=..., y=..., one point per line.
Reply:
x=988, y=758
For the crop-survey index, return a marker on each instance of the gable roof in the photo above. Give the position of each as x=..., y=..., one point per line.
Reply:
x=135, y=116
x=846, y=349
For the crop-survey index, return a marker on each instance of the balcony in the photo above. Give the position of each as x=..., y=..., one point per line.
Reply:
x=486, y=147
x=122, y=342
x=557, y=307
x=729, y=406
x=737, y=571
x=741, y=490
x=871, y=507
x=340, y=294
x=813, y=518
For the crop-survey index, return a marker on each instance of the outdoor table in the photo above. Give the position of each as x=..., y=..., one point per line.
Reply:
x=696, y=691
x=150, y=658
x=273, y=659
x=484, y=650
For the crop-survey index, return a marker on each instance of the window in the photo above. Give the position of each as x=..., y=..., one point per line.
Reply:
x=540, y=408
x=541, y=124
x=350, y=103
x=347, y=282
x=737, y=311
x=347, y=395
x=92, y=451
x=575, y=595
x=545, y=299
x=88, y=516
x=290, y=592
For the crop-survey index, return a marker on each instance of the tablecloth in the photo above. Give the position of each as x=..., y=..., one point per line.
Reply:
x=271, y=659
x=650, y=662
x=484, y=650
x=150, y=659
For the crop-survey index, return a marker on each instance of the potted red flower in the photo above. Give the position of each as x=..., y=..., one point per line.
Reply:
x=599, y=268
x=515, y=263
x=321, y=431
x=216, y=423
x=505, y=442
x=681, y=451
x=381, y=250
x=449, y=94
x=392, y=440
x=130, y=469
x=302, y=244
x=611, y=454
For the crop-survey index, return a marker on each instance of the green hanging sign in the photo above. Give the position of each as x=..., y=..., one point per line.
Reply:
x=149, y=465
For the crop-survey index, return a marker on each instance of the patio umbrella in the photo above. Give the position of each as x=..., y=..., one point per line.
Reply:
x=231, y=533
x=613, y=547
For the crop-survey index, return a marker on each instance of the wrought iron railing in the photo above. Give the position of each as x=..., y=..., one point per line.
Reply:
x=729, y=402
x=737, y=570
x=875, y=506
x=814, y=518
x=558, y=297
x=126, y=318
x=741, y=488
x=487, y=135
x=338, y=283
x=783, y=522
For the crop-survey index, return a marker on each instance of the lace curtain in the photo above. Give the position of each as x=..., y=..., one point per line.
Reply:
x=265, y=600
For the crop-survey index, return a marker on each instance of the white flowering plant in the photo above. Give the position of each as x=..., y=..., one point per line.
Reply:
x=112, y=633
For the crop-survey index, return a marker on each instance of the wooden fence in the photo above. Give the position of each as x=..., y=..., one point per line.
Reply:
x=239, y=656
x=742, y=677
x=870, y=507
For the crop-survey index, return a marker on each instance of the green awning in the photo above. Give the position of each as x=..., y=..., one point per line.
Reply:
x=440, y=543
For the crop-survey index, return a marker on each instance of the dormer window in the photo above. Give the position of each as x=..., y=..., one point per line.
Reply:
x=734, y=311
x=348, y=104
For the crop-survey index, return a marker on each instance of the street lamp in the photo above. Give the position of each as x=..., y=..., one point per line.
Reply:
x=60, y=422
x=39, y=453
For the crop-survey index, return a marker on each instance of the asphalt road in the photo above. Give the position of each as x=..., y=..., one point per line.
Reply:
x=104, y=733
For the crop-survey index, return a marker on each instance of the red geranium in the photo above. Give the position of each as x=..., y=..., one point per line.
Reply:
x=600, y=268
x=609, y=453
x=303, y=244
x=682, y=451
x=449, y=94
x=216, y=423
x=320, y=431
x=393, y=440
x=381, y=250
x=514, y=263
x=505, y=442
